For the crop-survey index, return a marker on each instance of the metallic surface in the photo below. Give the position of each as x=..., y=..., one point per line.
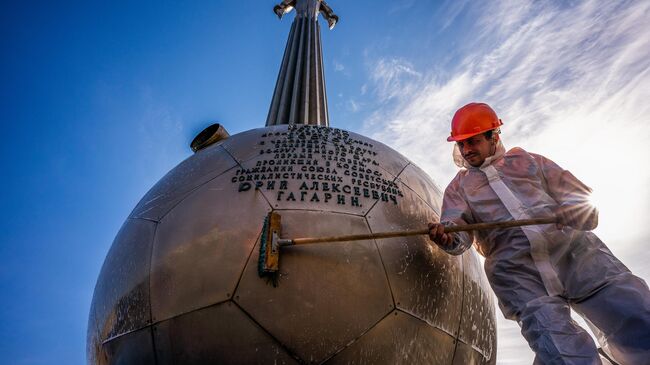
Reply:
x=477, y=326
x=92, y=336
x=247, y=144
x=300, y=96
x=392, y=162
x=465, y=355
x=421, y=184
x=305, y=193
x=132, y=348
x=180, y=181
x=121, y=300
x=327, y=294
x=221, y=334
x=195, y=261
x=399, y=339
x=185, y=273
x=426, y=282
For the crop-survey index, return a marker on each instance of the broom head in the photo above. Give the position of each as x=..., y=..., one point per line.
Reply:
x=269, y=259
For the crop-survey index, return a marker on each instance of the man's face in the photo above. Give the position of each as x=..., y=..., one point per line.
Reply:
x=476, y=149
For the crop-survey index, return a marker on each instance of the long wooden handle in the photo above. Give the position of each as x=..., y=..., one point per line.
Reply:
x=450, y=229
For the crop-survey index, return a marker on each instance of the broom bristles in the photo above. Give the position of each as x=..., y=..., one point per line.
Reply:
x=261, y=261
x=268, y=262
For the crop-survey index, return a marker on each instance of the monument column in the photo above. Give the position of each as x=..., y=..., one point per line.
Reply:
x=300, y=96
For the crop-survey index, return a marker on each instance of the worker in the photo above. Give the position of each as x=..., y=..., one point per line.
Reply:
x=540, y=272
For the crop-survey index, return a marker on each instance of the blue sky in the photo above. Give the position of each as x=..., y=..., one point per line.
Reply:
x=100, y=100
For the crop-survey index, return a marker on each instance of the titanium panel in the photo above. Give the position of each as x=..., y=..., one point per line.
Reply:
x=399, y=339
x=246, y=145
x=221, y=334
x=389, y=160
x=425, y=280
x=121, y=298
x=478, y=317
x=196, y=170
x=465, y=355
x=132, y=348
x=420, y=182
x=318, y=168
x=93, y=345
x=316, y=194
x=488, y=329
x=327, y=295
x=201, y=248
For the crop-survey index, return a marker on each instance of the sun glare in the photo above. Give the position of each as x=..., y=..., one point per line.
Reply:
x=595, y=199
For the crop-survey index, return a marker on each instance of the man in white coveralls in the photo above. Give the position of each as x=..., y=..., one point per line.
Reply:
x=539, y=272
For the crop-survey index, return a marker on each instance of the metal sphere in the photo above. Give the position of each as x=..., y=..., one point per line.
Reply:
x=180, y=283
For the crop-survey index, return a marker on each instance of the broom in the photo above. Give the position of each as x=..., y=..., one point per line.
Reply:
x=271, y=241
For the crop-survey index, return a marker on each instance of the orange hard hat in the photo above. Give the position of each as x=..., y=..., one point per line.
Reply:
x=473, y=119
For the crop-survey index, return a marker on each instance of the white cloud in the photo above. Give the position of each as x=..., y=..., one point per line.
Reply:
x=400, y=5
x=450, y=11
x=393, y=78
x=158, y=127
x=353, y=105
x=569, y=81
x=338, y=67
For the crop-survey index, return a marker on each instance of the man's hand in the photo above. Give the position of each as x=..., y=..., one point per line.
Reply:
x=438, y=236
x=583, y=217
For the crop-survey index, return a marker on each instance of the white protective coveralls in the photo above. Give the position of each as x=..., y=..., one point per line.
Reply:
x=539, y=272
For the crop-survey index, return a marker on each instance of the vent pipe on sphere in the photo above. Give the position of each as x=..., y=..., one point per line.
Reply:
x=212, y=134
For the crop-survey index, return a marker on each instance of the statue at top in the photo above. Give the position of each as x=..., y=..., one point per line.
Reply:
x=299, y=96
x=307, y=8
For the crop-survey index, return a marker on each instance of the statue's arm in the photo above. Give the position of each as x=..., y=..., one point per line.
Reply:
x=284, y=7
x=328, y=14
